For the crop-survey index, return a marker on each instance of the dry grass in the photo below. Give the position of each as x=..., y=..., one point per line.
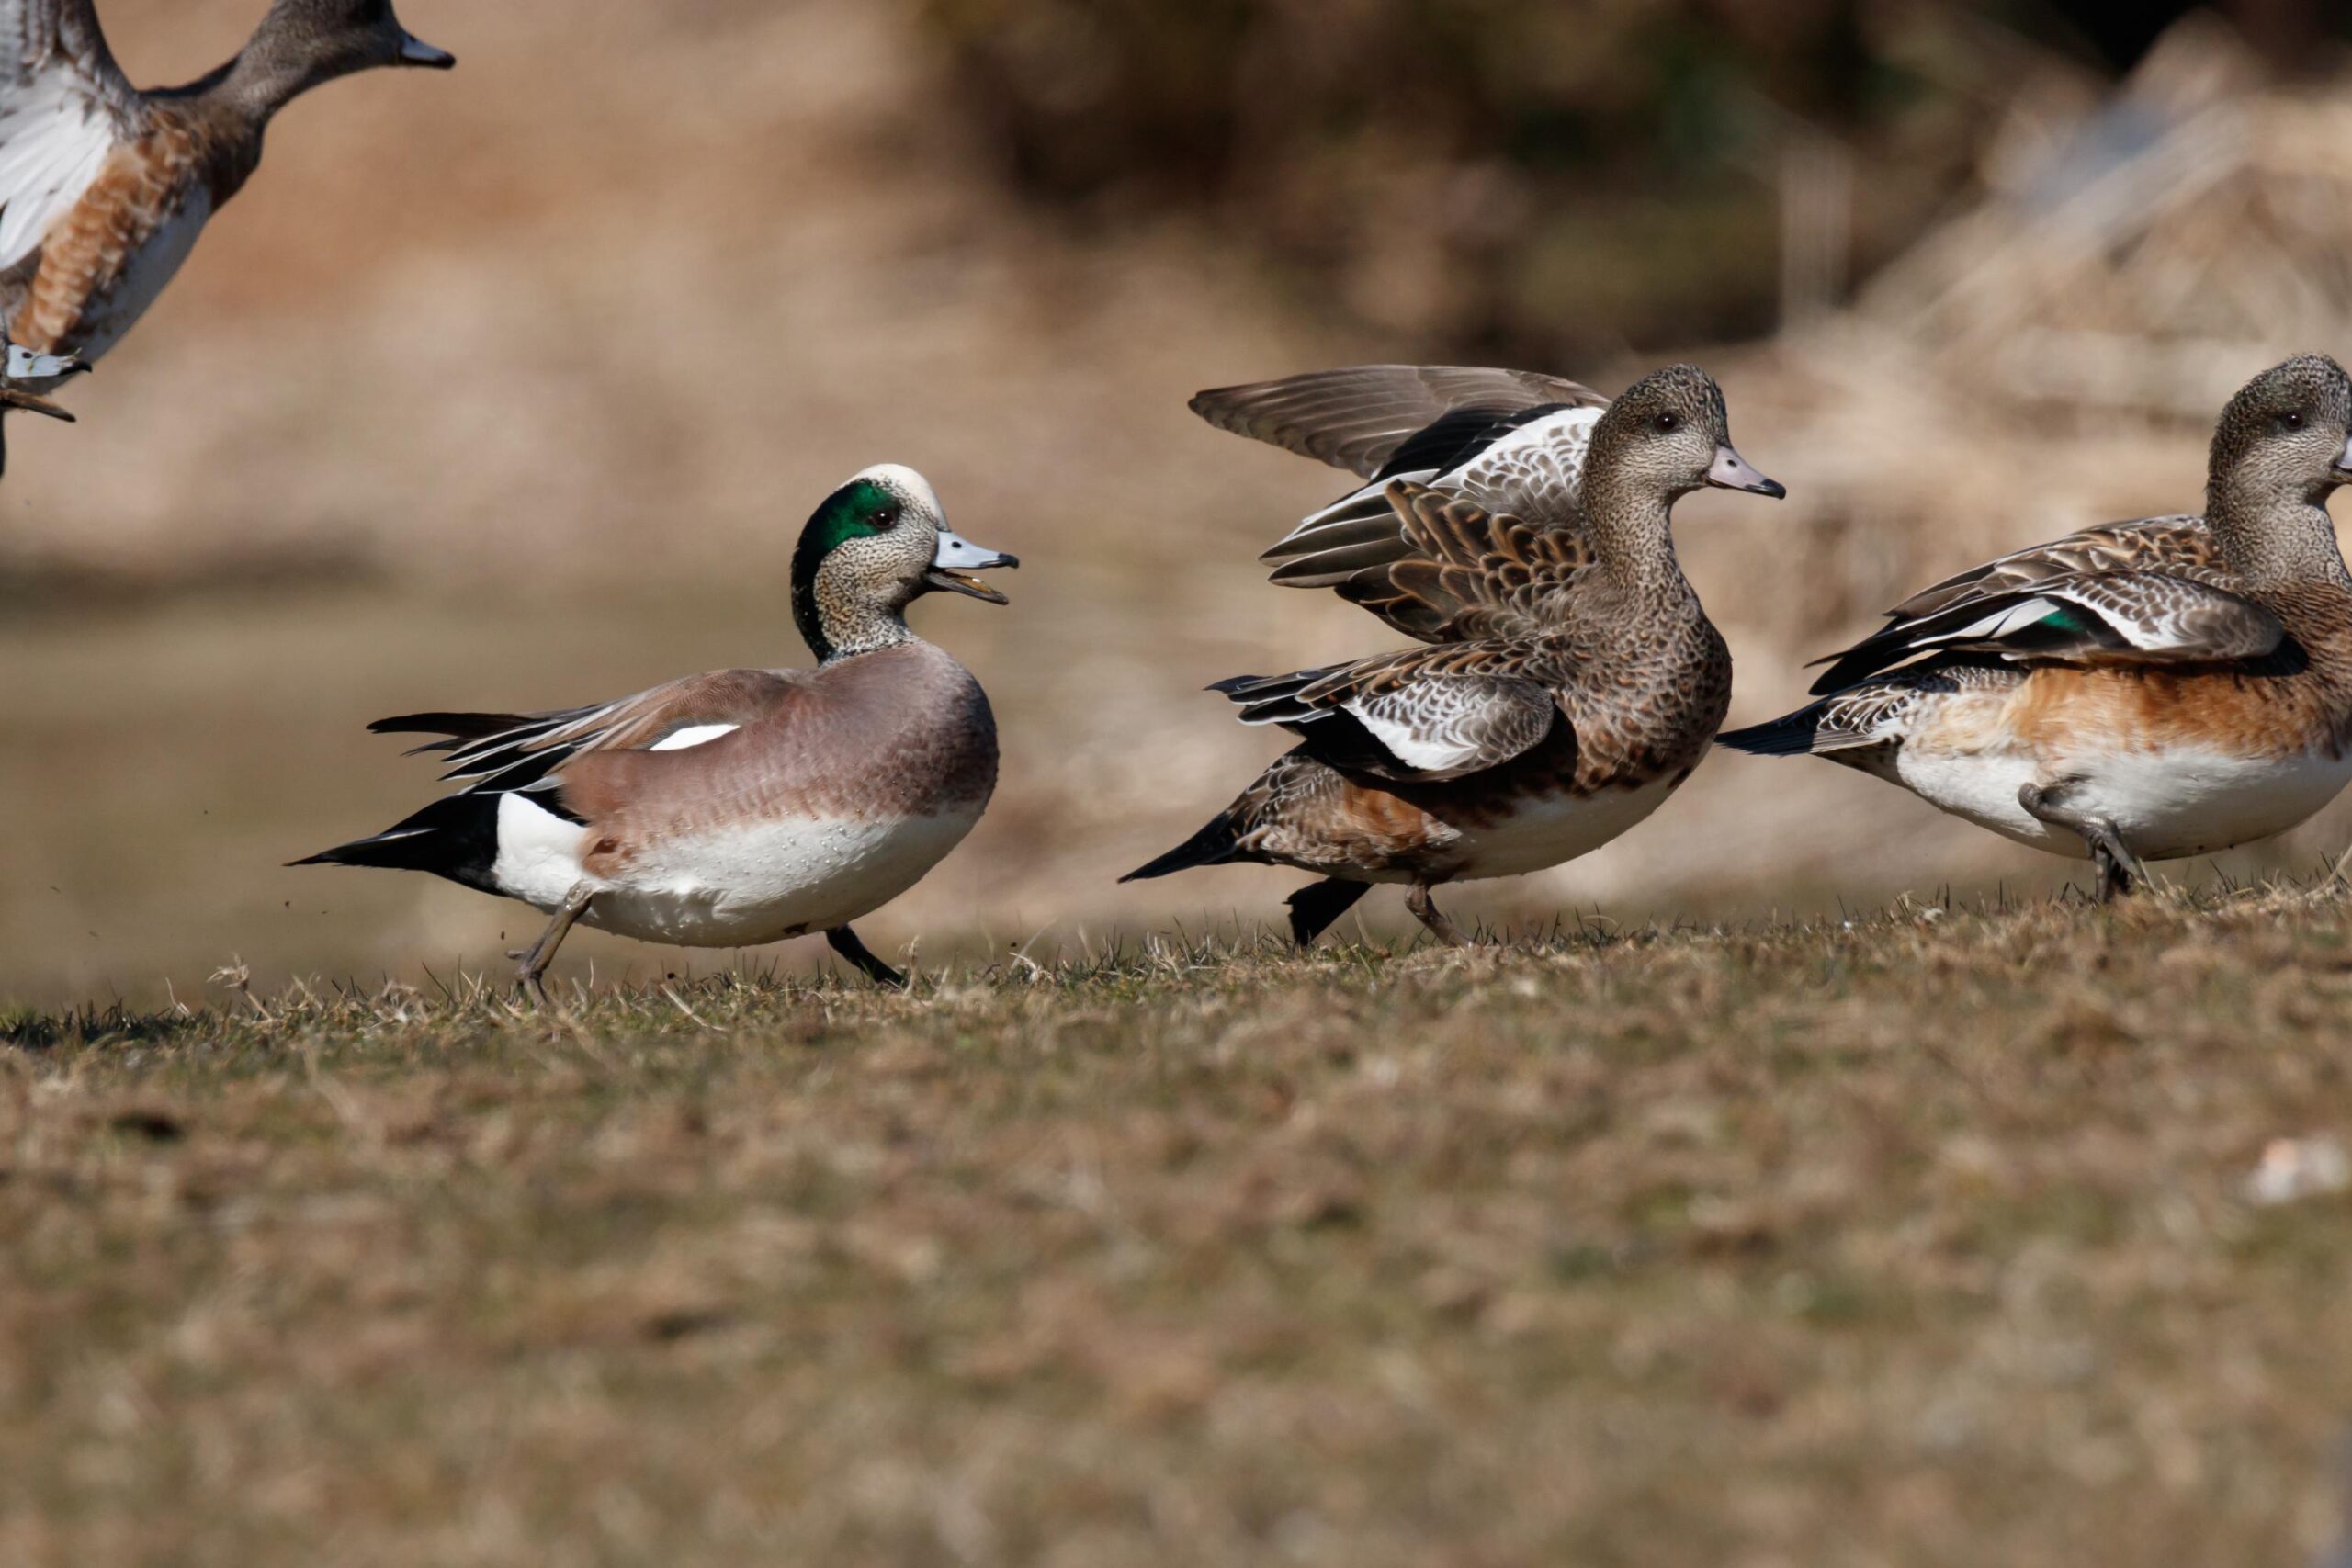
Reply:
x=1919, y=1238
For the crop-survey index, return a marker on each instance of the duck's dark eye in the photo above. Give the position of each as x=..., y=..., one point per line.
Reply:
x=2291, y=420
x=885, y=517
x=1665, y=424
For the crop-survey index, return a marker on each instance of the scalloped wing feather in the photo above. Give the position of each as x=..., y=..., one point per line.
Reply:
x=1428, y=713
x=1449, y=571
x=2112, y=617
x=2178, y=545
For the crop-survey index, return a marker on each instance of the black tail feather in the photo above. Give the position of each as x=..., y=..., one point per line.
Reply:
x=1314, y=906
x=1790, y=735
x=455, y=837
x=1215, y=844
x=460, y=726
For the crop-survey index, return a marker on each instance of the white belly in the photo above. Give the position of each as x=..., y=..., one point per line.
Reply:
x=1548, y=833
x=736, y=887
x=2166, y=803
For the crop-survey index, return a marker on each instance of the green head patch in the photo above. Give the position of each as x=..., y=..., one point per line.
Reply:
x=859, y=510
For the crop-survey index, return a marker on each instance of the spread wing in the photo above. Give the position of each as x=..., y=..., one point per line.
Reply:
x=63, y=107
x=1426, y=714
x=1357, y=418
x=1444, y=570
x=2112, y=617
x=494, y=752
x=2177, y=546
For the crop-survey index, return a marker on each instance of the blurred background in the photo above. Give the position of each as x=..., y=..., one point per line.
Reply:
x=512, y=389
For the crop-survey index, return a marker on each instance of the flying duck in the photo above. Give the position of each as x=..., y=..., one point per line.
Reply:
x=740, y=807
x=104, y=188
x=2143, y=691
x=1570, y=680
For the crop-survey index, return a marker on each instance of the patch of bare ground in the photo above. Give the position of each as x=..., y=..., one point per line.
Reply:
x=1923, y=1237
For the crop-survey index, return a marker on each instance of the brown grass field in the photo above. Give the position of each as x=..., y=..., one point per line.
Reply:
x=1920, y=1237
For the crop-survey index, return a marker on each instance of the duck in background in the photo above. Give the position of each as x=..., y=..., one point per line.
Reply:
x=1573, y=681
x=740, y=806
x=2142, y=691
x=104, y=188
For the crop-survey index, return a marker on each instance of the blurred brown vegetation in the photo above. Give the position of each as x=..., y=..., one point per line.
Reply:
x=511, y=387
x=1524, y=180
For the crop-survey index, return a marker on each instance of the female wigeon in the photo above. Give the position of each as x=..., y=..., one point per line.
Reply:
x=2142, y=691
x=104, y=188
x=1572, y=681
x=740, y=807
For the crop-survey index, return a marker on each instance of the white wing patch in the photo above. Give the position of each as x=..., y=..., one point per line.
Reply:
x=692, y=735
x=54, y=140
x=2000, y=623
x=1429, y=753
x=1565, y=434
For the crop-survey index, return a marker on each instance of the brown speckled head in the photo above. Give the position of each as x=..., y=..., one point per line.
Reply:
x=1663, y=429
x=2280, y=446
x=1663, y=437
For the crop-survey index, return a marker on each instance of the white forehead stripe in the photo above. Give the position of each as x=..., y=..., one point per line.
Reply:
x=899, y=476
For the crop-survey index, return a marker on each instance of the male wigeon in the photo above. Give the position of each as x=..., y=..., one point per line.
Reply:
x=740, y=807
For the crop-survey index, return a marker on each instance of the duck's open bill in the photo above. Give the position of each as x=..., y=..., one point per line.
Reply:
x=1731, y=472
x=956, y=552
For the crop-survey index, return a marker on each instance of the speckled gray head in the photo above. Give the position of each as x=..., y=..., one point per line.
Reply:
x=1670, y=428
x=871, y=549
x=2288, y=434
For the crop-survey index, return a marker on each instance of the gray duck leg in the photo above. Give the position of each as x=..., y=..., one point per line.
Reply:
x=535, y=958
x=2118, y=869
x=1425, y=911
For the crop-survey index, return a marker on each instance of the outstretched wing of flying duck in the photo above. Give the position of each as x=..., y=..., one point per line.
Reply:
x=64, y=107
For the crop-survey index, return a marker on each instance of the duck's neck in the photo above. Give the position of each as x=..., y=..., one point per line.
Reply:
x=275, y=67
x=1628, y=522
x=2274, y=540
x=840, y=624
